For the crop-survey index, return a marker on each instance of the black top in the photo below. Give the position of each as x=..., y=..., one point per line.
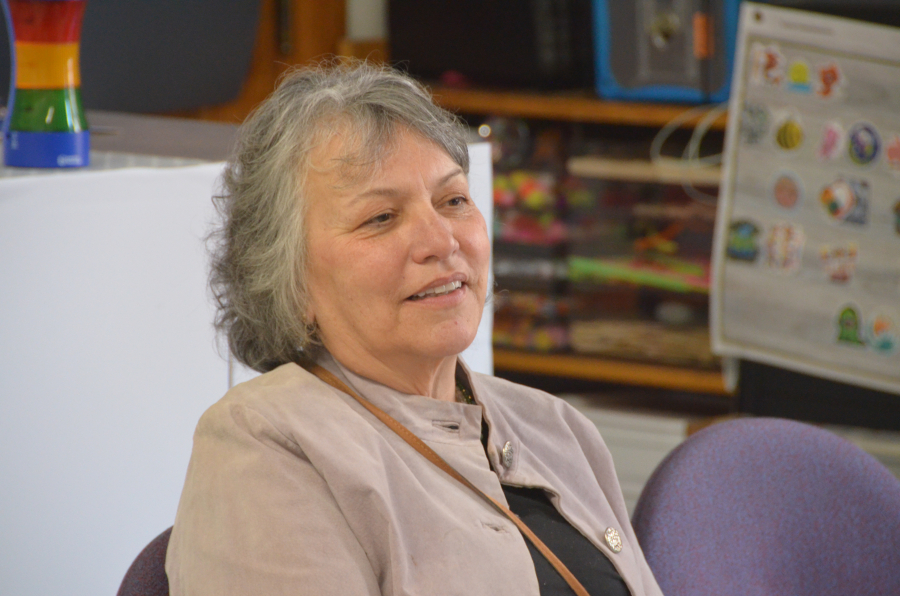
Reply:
x=589, y=566
x=595, y=572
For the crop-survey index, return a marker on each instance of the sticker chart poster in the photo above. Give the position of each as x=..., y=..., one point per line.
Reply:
x=807, y=259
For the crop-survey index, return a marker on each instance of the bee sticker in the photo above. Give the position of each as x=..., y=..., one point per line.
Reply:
x=790, y=134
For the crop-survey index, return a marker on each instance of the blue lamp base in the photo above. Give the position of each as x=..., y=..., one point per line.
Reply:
x=46, y=149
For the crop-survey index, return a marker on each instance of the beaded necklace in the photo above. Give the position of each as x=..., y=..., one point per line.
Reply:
x=463, y=395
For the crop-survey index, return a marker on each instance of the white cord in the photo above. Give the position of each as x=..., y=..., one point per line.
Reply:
x=691, y=155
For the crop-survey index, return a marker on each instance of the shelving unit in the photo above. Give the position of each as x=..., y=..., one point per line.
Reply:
x=572, y=106
x=670, y=171
x=608, y=370
x=583, y=107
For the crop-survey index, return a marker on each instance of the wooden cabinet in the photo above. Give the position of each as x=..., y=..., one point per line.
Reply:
x=582, y=107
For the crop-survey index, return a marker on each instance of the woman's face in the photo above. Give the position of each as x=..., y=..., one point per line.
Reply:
x=398, y=262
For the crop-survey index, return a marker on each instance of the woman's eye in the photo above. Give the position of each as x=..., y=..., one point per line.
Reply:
x=457, y=201
x=380, y=219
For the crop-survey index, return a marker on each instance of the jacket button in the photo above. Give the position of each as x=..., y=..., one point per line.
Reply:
x=613, y=540
x=507, y=455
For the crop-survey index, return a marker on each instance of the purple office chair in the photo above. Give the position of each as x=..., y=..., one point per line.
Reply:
x=770, y=507
x=147, y=575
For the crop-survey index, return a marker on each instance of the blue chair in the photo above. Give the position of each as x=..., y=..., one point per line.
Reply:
x=147, y=575
x=768, y=507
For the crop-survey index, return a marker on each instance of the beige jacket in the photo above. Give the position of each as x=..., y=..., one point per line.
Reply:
x=293, y=488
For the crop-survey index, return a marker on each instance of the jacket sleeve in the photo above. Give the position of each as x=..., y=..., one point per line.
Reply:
x=255, y=517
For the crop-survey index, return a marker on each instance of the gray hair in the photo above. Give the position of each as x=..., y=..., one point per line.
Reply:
x=259, y=256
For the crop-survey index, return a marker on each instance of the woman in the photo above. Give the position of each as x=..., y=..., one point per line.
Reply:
x=350, y=238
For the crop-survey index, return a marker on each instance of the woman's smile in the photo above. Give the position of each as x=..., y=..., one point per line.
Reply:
x=441, y=288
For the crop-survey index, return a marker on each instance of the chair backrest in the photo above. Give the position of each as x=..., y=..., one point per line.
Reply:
x=147, y=575
x=769, y=507
x=160, y=56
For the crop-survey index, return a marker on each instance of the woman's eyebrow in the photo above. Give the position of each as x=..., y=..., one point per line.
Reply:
x=388, y=191
x=453, y=174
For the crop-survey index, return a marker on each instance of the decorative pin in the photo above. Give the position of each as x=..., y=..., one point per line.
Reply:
x=613, y=540
x=788, y=190
x=840, y=261
x=832, y=141
x=798, y=76
x=846, y=200
x=784, y=247
x=848, y=323
x=790, y=134
x=830, y=80
x=864, y=145
x=507, y=455
x=897, y=217
x=754, y=123
x=743, y=240
x=882, y=333
x=768, y=65
x=892, y=153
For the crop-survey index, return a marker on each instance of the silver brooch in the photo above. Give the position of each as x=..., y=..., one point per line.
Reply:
x=613, y=540
x=507, y=455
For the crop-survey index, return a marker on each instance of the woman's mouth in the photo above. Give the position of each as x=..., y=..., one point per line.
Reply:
x=437, y=291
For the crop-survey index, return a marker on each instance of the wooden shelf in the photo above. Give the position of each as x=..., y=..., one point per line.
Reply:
x=572, y=106
x=612, y=371
x=669, y=171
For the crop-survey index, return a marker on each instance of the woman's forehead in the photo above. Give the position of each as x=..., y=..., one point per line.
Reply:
x=353, y=151
x=352, y=159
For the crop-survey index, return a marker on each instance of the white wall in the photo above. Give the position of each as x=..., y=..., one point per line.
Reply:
x=107, y=361
x=366, y=19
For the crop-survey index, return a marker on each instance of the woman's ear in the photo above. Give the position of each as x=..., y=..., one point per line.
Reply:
x=309, y=317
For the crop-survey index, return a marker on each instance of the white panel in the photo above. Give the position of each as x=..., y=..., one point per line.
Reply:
x=638, y=442
x=480, y=355
x=107, y=360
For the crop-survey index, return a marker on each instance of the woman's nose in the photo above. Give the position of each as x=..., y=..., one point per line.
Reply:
x=432, y=237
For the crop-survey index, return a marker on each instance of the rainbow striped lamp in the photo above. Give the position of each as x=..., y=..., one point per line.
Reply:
x=45, y=125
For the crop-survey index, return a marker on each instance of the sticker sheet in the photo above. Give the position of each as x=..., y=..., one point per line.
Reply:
x=806, y=271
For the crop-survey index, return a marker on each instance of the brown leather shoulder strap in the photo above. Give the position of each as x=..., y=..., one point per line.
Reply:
x=437, y=460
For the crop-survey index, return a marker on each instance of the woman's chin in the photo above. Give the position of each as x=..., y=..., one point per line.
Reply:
x=446, y=343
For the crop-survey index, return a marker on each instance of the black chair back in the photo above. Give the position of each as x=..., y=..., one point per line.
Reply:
x=147, y=575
